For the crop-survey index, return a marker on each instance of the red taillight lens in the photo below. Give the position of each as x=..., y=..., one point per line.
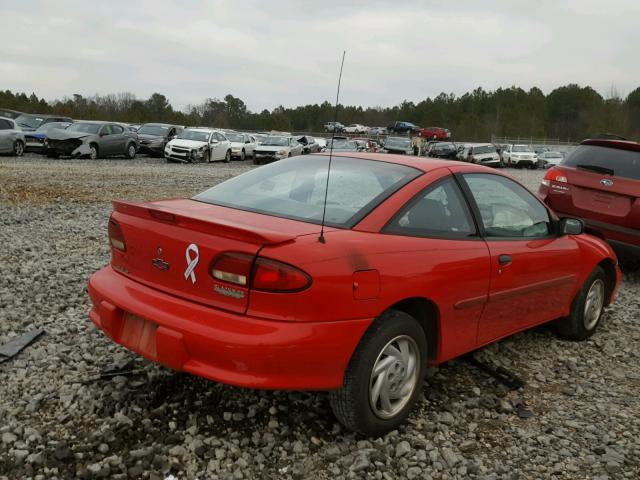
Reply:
x=554, y=174
x=116, y=238
x=232, y=268
x=273, y=276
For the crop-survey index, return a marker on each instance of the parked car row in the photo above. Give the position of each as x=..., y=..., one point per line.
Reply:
x=405, y=128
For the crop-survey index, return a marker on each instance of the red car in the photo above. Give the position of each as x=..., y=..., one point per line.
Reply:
x=434, y=133
x=600, y=183
x=419, y=262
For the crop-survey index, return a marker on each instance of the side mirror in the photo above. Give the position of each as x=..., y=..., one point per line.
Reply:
x=571, y=226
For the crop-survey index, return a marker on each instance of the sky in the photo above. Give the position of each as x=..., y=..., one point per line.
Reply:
x=278, y=52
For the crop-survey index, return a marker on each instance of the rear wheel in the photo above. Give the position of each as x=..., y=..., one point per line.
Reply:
x=130, y=152
x=586, y=309
x=384, y=377
x=18, y=148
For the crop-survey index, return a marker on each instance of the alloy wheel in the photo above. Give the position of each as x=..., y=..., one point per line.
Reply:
x=593, y=304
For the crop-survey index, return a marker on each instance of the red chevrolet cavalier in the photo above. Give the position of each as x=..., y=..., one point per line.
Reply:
x=421, y=261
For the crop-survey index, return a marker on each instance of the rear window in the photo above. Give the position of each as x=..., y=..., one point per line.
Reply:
x=295, y=188
x=624, y=163
x=484, y=149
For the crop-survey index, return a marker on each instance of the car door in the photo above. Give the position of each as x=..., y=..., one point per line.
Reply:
x=6, y=143
x=534, y=271
x=222, y=146
x=436, y=244
x=118, y=139
x=107, y=141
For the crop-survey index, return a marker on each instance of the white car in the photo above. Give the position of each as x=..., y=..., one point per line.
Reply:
x=198, y=145
x=243, y=145
x=519, y=156
x=482, y=154
x=356, y=128
x=276, y=148
x=549, y=159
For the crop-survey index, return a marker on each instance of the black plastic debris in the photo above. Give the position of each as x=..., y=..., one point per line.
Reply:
x=502, y=375
x=17, y=344
x=122, y=368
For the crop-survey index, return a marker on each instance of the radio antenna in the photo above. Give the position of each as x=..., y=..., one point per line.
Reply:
x=333, y=134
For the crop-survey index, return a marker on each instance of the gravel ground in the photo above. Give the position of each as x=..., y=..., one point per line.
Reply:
x=56, y=421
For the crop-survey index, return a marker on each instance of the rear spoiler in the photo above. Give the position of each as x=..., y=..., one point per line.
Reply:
x=214, y=226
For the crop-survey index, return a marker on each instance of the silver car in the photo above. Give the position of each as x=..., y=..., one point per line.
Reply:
x=11, y=137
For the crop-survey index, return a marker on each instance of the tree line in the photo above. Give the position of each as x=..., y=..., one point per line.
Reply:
x=570, y=112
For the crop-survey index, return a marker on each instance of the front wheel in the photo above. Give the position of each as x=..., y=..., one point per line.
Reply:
x=586, y=309
x=384, y=377
x=243, y=155
x=93, y=152
x=227, y=156
x=18, y=148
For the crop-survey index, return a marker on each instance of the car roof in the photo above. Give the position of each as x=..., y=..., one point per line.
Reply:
x=421, y=163
x=161, y=124
x=619, y=144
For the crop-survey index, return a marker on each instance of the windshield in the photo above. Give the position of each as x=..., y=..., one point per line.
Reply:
x=295, y=189
x=398, y=143
x=196, y=135
x=29, y=121
x=276, y=141
x=235, y=137
x=260, y=138
x=84, y=127
x=624, y=163
x=157, y=130
x=484, y=149
x=522, y=148
x=47, y=126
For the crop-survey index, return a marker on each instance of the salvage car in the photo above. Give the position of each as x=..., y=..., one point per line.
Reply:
x=30, y=122
x=403, y=127
x=243, y=145
x=434, y=133
x=253, y=283
x=309, y=144
x=482, y=153
x=8, y=113
x=356, y=128
x=155, y=136
x=549, y=159
x=400, y=145
x=446, y=150
x=519, y=156
x=35, y=139
x=333, y=127
x=344, y=144
x=194, y=145
x=91, y=139
x=276, y=147
x=11, y=137
x=599, y=182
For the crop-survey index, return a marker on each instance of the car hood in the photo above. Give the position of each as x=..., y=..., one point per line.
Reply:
x=272, y=148
x=146, y=136
x=179, y=142
x=55, y=134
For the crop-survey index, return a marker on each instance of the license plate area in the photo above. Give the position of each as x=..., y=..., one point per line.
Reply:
x=139, y=335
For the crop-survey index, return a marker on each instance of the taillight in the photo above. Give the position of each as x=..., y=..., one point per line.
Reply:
x=232, y=268
x=116, y=238
x=273, y=276
x=264, y=274
x=553, y=174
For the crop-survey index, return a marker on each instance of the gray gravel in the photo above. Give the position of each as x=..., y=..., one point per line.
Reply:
x=582, y=398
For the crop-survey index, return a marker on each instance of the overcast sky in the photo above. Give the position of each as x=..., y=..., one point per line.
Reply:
x=279, y=52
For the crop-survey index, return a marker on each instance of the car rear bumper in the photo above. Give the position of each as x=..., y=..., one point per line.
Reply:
x=222, y=346
x=151, y=150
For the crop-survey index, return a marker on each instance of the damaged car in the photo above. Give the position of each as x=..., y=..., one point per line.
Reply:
x=11, y=137
x=277, y=148
x=243, y=145
x=30, y=122
x=155, y=136
x=35, y=140
x=198, y=145
x=93, y=140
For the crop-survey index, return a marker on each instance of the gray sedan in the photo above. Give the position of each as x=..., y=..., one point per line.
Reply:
x=11, y=137
x=93, y=140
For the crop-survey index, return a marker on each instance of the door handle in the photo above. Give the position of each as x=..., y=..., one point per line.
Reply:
x=504, y=259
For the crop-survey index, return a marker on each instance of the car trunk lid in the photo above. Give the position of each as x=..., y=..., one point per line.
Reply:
x=170, y=245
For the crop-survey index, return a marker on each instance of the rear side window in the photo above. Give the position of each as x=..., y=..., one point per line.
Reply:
x=438, y=211
x=624, y=163
x=5, y=124
x=295, y=189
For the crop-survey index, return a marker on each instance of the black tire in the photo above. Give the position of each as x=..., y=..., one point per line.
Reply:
x=227, y=156
x=94, y=152
x=243, y=155
x=351, y=404
x=130, y=152
x=581, y=322
x=18, y=148
x=289, y=156
x=205, y=157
